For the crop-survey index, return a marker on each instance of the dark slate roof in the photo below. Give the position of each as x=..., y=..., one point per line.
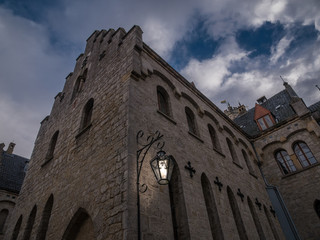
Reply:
x=315, y=107
x=278, y=105
x=12, y=172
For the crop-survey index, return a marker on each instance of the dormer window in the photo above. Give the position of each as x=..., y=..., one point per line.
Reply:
x=265, y=122
x=263, y=117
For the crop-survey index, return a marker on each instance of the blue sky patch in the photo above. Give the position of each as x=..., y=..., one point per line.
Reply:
x=260, y=40
x=196, y=44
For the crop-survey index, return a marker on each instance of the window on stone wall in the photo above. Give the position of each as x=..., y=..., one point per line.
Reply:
x=78, y=86
x=214, y=138
x=304, y=154
x=3, y=217
x=42, y=230
x=87, y=114
x=285, y=163
x=178, y=207
x=236, y=215
x=52, y=145
x=317, y=207
x=191, y=121
x=211, y=207
x=16, y=229
x=248, y=162
x=232, y=151
x=163, y=101
x=30, y=222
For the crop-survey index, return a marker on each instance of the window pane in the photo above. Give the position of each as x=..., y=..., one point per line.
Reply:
x=262, y=124
x=268, y=120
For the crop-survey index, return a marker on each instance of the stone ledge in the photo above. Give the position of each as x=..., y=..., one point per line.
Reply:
x=167, y=117
x=195, y=136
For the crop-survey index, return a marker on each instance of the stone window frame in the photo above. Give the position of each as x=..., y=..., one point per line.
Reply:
x=297, y=146
x=78, y=86
x=234, y=155
x=214, y=138
x=163, y=98
x=52, y=146
x=287, y=167
x=191, y=121
x=86, y=118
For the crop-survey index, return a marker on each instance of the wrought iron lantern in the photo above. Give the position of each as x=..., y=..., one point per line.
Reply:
x=162, y=166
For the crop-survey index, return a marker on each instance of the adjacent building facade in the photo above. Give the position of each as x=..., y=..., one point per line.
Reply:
x=81, y=182
x=286, y=135
x=12, y=172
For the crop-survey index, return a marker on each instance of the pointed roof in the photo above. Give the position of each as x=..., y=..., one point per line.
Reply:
x=260, y=111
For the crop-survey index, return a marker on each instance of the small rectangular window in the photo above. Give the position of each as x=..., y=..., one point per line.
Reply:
x=262, y=124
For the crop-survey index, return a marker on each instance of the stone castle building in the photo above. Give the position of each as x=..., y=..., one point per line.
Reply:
x=12, y=172
x=81, y=181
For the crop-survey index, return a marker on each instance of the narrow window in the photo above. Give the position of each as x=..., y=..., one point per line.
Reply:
x=317, y=207
x=79, y=84
x=214, y=137
x=271, y=224
x=256, y=220
x=247, y=160
x=211, y=207
x=232, y=151
x=285, y=163
x=236, y=215
x=178, y=207
x=304, y=154
x=163, y=101
x=52, y=145
x=28, y=229
x=87, y=113
x=191, y=121
x=16, y=229
x=80, y=227
x=45, y=219
x=3, y=217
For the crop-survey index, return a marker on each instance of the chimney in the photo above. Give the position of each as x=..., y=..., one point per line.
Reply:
x=261, y=100
x=1, y=149
x=10, y=148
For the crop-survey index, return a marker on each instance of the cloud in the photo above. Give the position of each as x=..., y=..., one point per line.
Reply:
x=31, y=74
x=279, y=50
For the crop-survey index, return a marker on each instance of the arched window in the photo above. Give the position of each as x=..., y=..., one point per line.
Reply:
x=28, y=229
x=79, y=84
x=52, y=145
x=247, y=160
x=3, y=217
x=285, y=163
x=304, y=154
x=317, y=207
x=232, y=151
x=191, y=121
x=271, y=224
x=45, y=219
x=80, y=227
x=16, y=229
x=236, y=215
x=211, y=207
x=256, y=220
x=214, y=137
x=87, y=113
x=163, y=101
x=178, y=207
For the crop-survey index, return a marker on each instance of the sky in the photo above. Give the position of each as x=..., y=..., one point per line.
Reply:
x=232, y=50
